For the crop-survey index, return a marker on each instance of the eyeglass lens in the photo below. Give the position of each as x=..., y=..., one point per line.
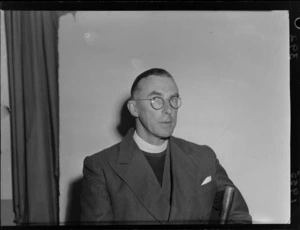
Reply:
x=158, y=102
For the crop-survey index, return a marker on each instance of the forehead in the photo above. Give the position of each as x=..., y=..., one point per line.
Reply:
x=160, y=84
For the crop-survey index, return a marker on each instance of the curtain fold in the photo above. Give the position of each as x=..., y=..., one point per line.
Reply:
x=32, y=51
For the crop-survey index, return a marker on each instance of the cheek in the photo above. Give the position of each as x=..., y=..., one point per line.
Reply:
x=174, y=116
x=150, y=118
x=153, y=119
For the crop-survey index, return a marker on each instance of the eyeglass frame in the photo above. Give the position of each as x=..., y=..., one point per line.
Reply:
x=163, y=104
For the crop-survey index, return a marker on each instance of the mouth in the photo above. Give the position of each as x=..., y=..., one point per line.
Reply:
x=166, y=122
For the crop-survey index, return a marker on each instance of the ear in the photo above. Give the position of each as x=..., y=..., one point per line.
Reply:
x=131, y=105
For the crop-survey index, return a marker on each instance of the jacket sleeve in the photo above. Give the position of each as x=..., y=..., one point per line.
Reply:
x=95, y=199
x=239, y=212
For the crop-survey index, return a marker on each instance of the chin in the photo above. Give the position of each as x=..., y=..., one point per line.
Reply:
x=165, y=134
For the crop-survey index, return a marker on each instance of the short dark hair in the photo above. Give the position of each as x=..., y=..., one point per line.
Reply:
x=147, y=73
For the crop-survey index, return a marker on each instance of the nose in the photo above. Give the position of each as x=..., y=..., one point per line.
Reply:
x=167, y=107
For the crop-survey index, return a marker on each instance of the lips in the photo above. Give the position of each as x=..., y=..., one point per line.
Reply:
x=166, y=122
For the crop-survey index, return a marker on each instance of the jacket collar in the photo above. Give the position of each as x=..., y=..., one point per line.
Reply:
x=128, y=148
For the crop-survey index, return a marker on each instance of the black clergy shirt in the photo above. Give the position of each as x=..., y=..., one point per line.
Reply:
x=157, y=162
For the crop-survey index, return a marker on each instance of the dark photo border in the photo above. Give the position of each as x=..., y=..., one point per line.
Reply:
x=293, y=7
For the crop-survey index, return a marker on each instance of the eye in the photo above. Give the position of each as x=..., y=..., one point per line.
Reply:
x=157, y=99
x=174, y=99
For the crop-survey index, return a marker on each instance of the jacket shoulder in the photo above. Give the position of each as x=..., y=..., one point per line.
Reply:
x=102, y=157
x=193, y=147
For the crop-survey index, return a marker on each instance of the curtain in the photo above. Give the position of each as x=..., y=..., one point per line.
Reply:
x=32, y=51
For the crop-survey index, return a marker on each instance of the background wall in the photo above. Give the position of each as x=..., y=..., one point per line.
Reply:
x=232, y=70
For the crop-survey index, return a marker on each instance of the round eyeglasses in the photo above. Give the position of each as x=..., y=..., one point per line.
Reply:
x=158, y=102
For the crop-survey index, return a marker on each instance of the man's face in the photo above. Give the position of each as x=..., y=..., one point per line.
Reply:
x=154, y=126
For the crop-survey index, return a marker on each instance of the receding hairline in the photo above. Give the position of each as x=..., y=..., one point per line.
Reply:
x=138, y=86
x=155, y=72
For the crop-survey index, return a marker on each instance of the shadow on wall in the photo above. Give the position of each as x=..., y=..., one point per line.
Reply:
x=126, y=120
x=73, y=205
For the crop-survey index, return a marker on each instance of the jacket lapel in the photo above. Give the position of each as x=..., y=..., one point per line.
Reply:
x=166, y=182
x=184, y=174
x=132, y=166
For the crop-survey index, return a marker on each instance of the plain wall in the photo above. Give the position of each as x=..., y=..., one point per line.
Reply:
x=232, y=70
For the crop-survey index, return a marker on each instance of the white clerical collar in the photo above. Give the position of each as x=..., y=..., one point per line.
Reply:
x=149, y=148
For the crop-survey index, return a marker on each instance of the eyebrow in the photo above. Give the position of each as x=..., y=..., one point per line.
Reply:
x=155, y=93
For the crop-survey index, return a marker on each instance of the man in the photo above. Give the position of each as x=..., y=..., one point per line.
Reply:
x=151, y=176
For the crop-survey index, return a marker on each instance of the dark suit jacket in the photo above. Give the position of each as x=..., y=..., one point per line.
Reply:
x=120, y=185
